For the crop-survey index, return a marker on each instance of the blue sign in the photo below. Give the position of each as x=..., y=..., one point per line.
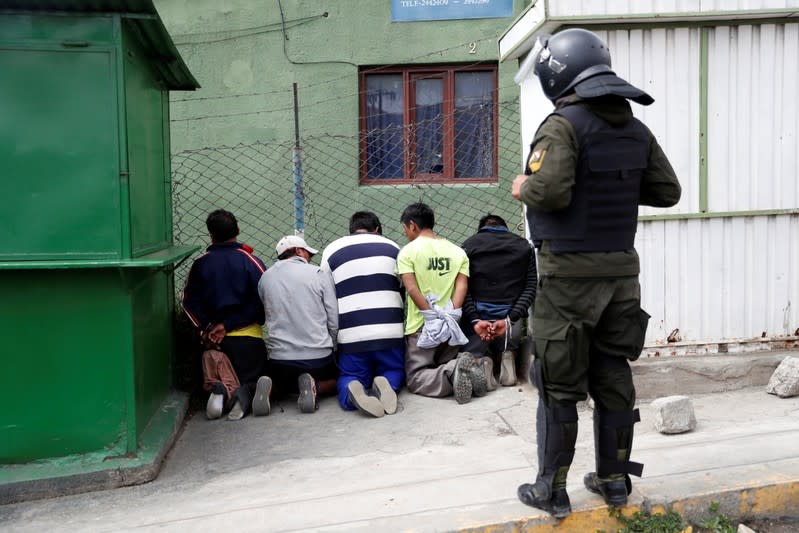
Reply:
x=408, y=10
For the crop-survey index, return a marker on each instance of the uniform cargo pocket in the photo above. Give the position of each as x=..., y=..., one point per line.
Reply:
x=638, y=346
x=554, y=346
x=554, y=330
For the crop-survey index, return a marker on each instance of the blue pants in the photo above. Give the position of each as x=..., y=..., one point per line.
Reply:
x=365, y=366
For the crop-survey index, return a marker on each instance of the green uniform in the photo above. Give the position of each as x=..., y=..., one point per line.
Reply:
x=549, y=188
x=588, y=320
x=588, y=303
x=590, y=166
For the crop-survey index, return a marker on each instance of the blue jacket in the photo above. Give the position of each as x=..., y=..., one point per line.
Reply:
x=223, y=287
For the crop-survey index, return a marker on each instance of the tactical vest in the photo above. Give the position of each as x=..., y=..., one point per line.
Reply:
x=603, y=213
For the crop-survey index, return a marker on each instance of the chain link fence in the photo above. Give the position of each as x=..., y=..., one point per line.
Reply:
x=257, y=183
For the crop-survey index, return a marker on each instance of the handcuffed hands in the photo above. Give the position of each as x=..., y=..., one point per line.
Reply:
x=213, y=336
x=490, y=329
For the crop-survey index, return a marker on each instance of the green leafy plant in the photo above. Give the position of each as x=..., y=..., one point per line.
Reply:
x=646, y=522
x=717, y=523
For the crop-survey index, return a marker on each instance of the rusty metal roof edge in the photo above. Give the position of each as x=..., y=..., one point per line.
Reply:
x=141, y=13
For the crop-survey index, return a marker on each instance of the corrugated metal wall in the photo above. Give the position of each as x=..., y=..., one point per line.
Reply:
x=597, y=8
x=665, y=63
x=728, y=278
x=753, y=117
x=720, y=279
x=564, y=8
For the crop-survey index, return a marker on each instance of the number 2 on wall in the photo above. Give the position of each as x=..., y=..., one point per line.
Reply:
x=472, y=47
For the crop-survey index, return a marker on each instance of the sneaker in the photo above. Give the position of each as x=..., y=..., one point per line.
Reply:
x=382, y=389
x=558, y=504
x=236, y=413
x=479, y=377
x=260, y=404
x=613, y=490
x=368, y=405
x=213, y=409
x=461, y=377
x=507, y=370
x=488, y=369
x=307, y=400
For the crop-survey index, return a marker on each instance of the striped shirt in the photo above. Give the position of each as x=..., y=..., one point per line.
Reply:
x=370, y=306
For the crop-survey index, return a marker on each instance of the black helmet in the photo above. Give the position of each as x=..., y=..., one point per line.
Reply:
x=578, y=60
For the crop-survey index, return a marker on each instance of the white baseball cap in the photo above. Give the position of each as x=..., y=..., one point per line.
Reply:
x=293, y=241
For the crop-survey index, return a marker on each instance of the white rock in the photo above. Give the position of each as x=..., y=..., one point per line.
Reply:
x=784, y=381
x=674, y=414
x=744, y=529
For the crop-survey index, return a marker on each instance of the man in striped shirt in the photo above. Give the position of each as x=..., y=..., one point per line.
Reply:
x=371, y=346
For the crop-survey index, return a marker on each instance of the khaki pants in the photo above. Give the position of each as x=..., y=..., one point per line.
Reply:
x=429, y=370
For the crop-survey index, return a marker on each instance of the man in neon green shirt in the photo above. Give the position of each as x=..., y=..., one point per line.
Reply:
x=434, y=270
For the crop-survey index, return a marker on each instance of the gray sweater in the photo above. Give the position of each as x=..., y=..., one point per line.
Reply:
x=301, y=310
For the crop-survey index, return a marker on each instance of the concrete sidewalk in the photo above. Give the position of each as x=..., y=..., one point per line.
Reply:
x=436, y=466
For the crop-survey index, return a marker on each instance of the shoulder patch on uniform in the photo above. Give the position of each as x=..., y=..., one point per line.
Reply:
x=536, y=160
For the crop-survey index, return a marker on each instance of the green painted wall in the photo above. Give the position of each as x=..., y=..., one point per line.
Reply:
x=146, y=151
x=64, y=365
x=55, y=141
x=235, y=49
x=153, y=341
x=87, y=355
x=246, y=64
x=87, y=359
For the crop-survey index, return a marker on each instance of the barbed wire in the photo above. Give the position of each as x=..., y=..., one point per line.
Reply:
x=301, y=106
x=256, y=182
x=368, y=70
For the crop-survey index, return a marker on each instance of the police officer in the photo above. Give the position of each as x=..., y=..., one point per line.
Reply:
x=590, y=166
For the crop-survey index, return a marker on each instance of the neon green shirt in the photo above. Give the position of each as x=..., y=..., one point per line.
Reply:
x=435, y=263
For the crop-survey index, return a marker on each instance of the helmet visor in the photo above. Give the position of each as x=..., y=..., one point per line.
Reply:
x=544, y=58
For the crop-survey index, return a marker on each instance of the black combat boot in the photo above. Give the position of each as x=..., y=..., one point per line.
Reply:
x=613, y=440
x=539, y=496
x=556, y=429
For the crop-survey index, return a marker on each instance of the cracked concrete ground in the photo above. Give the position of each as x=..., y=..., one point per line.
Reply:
x=434, y=466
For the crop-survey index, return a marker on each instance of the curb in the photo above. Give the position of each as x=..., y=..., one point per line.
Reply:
x=774, y=499
x=655, y=377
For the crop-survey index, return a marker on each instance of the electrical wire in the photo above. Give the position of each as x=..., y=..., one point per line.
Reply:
x=370, y=70
x=286, y=38
x=284, y=25
x=249, y=32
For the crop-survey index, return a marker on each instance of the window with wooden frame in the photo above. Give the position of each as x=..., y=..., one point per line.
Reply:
x=428, y=124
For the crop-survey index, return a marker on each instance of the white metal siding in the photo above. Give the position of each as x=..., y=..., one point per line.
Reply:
x=753, y=118
x=622, y=8
x=720, y=279
x=565, y=8
x=717, y=279
x=665, y=63
x=735, y=5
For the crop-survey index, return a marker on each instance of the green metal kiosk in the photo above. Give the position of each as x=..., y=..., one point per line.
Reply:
x=86, y=250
